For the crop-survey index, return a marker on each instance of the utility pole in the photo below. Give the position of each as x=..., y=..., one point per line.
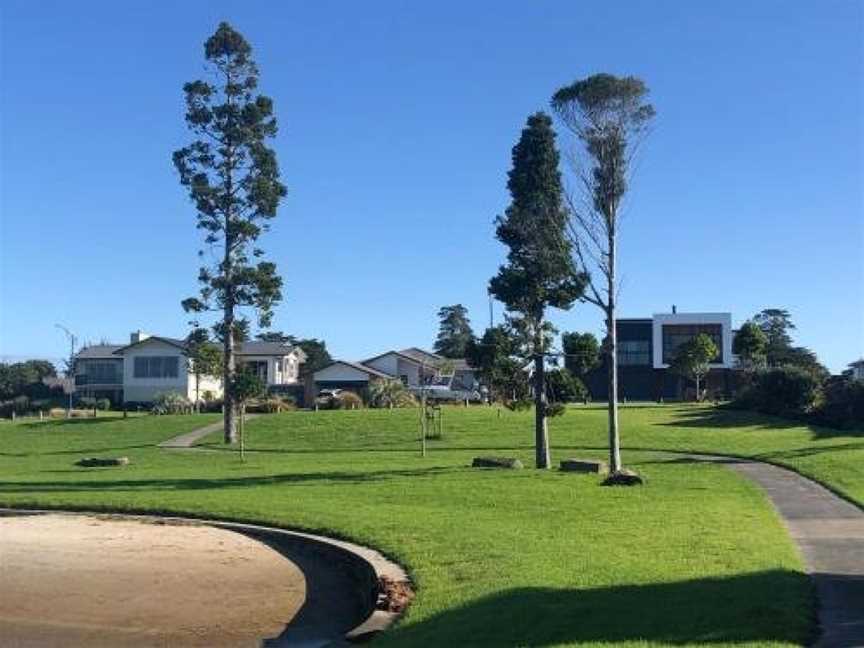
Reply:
x=70, y=373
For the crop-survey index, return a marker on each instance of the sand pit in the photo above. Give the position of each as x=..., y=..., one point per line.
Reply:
x=76, y=580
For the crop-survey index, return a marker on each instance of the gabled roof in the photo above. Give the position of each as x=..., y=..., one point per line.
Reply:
x=421, y=355
x=96, y=351
x=359, y=367
x=180, y=344
x=412, y=354
x=252, y=347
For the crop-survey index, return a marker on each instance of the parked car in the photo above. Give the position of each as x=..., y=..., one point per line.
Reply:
x=446, y=389
x=327, y=398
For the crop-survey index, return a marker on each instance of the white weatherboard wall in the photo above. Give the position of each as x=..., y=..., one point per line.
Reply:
x=211, y=384
x=144, y=390
x=661, y=319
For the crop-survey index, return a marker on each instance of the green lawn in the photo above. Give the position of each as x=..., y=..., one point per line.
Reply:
x=499, y=558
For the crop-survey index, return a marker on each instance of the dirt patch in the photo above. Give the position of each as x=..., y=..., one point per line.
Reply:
x=74, y=580
x=394, y=596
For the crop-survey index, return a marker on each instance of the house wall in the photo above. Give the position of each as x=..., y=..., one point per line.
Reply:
x=144, y=390
x=208, y=383
x=288, y=372
x=409, y=370
x=723, y=319
x=339, y=372
x=388, y=363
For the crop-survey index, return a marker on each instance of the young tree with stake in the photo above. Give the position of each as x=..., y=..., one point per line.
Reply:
x=233, y=179
x=539, y=272
x=693, y=359
x=609, y=117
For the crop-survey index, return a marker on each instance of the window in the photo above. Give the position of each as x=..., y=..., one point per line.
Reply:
x=634, y=352
x=674, y=335
x=156, y=367
x=256, y=368
x=99, y=372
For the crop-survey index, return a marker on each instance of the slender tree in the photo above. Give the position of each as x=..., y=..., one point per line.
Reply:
x=609, y=118
x=693, y=359
x=492, y=356
x=205, y=359
x=581, y=352
x=776, y=324
x=454, y=331
x=539, y=272
x=750, y=345
x=233, y=180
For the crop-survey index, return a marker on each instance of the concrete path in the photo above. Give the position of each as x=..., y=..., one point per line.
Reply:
x=829, y=532
x=191, y=438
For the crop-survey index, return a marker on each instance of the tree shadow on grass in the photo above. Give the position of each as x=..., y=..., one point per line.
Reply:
x=722, y=416
x=768, y=606
x=56, y=424
x=179, y=484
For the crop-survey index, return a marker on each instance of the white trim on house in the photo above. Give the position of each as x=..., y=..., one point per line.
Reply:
x=723, y=319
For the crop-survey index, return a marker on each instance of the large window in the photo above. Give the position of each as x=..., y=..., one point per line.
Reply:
x=99, y=372
x=674, y=335
x=156, y=366
x=634, y=352
x=257, y=368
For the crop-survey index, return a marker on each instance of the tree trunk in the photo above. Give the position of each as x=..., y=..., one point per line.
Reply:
x=229, y=417
x=612, y=339
x=541, y=431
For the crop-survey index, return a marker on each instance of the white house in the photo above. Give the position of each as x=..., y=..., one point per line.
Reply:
x=151, y=364
x=857, y=368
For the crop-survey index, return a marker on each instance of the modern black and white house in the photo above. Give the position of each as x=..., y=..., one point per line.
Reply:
x=647, y=346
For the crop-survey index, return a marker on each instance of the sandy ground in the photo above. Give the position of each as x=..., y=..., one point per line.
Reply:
x=93, y=581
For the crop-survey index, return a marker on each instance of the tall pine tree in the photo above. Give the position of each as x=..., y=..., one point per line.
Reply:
x=539, y=272
x=454, y=331
x=233, y=180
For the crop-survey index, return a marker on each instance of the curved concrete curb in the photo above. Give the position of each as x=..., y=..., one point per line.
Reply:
x=344, y=598
x=829, y=533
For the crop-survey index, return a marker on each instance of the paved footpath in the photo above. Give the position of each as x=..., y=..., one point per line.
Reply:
x=829, y=532
x=191, y=438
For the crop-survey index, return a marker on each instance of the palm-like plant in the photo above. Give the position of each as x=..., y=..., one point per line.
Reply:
x=390, y=393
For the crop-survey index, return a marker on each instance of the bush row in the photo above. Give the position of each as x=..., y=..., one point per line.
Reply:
x=796, y=393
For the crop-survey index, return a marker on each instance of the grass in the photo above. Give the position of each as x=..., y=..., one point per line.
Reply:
x=525, y=558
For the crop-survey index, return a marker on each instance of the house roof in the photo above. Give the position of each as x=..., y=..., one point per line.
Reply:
x=411, y=354
x=359, y=367
x=258, y=347
x=420, y=355
x=180, y=344
x=96, y=351
x=253, y=347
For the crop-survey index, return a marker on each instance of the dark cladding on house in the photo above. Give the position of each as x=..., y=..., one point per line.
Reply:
x=646, y=348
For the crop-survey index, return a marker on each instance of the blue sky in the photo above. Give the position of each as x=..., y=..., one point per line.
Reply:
x=396, y=124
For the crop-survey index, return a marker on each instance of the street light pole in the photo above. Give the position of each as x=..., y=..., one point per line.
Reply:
x=70, y=374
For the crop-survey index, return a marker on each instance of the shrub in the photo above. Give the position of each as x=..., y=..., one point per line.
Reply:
x=271, y=405
x=86, y=402
x=563, y=387
x=842, y=404
x=348, y=400
x=103, y=404
x=19, y=405
x=390, y=393
x=171, y=403
x=784, y=391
